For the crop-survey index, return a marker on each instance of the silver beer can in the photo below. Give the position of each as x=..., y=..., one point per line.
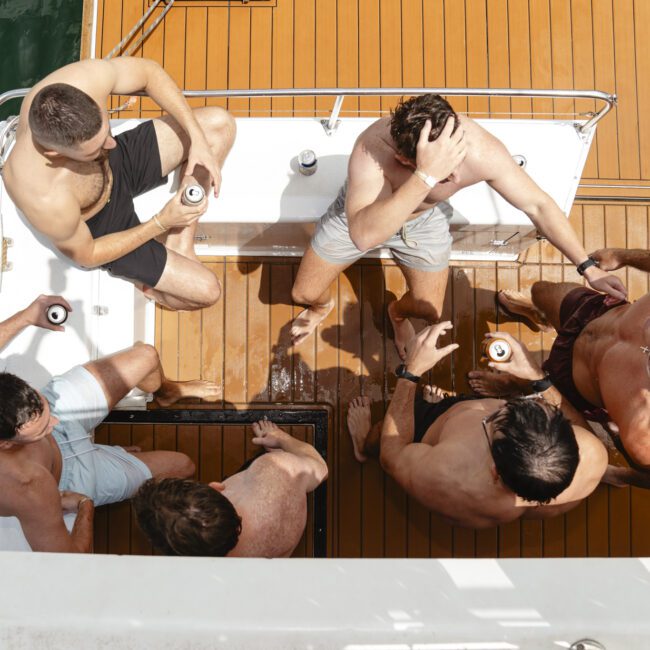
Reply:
x=307, y=162
x=192, y=195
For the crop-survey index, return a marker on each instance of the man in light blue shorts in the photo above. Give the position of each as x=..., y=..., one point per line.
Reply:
x=49, y=462
x=401, y=172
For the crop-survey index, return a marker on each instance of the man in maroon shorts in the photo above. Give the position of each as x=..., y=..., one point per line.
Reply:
x=600, y=360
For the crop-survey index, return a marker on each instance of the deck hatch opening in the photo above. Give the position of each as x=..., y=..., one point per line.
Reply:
x=316, y=417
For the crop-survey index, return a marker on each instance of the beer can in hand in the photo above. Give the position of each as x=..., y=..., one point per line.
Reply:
x=192, y=195
x=57, y=314
x=497, y=350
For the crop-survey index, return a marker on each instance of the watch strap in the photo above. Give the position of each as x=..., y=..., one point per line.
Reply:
x=402, y=373
x=430, y=181
x=540, y=385
x=581, y=268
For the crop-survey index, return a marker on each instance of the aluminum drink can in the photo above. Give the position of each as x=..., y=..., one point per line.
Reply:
x=192, y=195
x=307, y=162
x=497, y=350
x=57, y=314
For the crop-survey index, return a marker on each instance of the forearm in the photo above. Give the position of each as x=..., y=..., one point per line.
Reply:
x=164, y=91
x=299, y=448
x=399, y=424
x=379, y=221
x=551, y=222
x=636, y=258
x=118, y=244
x=82, y=531
x=12, y=327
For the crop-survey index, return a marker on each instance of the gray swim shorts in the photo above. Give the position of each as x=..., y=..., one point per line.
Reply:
x=107, y=474
x=423, y=243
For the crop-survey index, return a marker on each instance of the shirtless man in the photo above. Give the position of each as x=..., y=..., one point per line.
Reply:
x=401, y=172
x=48, y=460
x=260, y=511
x=600, y=358
x=75, y=183
x=479, y=462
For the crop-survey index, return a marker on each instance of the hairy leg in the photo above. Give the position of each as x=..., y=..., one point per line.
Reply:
x=365, y=436
x=520, y=305
x=548, y=296
x=489, y=383
x=424, y=299
x=167, y=464
x=185, y=284
x=312, y=287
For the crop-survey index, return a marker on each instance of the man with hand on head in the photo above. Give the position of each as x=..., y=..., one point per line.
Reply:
x=75, y=182
x=49, y=463
x=401, y=172
x=479, y=462
x=260, y=511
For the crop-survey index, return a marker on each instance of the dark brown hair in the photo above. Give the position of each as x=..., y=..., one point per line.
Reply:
x=183, y=517
x=19, y=403
x=409, y=117
x=63, y=116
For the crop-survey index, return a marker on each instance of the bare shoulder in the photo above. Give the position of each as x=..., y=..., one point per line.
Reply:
x=283, y=466
x=24, y=485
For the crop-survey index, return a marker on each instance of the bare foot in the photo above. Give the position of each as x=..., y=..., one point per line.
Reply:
x=359, y=425
x=490, y=383
x=308, y=320
x=172, y=391
x=403, y=330
x=516, y=303
x=434, y=394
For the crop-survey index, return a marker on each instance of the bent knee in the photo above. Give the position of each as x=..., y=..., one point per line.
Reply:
x=148, y=353
x=184, y=466
x=218, y=123
x=539, y=289
x=207, y=291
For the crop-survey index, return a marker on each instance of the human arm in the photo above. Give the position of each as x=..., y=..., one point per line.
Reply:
x=312, y=464
x=33, y=314
x=397, y=431
x=522, y=365
x=127, y=75
x=375, y=213
x=506, y=177
x=38, y=505
x=610, y=259
x=73, y=238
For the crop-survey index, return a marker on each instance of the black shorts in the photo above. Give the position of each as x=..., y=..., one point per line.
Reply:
x=135, y=164
x=425, y=413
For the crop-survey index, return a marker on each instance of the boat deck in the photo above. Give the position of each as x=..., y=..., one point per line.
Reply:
x=242, y=342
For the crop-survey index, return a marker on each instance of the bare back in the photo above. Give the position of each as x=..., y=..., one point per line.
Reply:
x=610, y=369
x=452, y=472
x=270, y=497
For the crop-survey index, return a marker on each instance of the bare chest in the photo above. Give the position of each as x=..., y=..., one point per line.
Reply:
x=90, y=183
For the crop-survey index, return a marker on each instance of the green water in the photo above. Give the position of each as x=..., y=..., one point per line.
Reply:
x=36, y=37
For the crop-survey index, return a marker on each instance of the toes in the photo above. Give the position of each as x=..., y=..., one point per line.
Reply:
x=365, y=401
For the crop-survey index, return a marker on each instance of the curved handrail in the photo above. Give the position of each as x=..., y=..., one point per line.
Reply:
x=609, y=98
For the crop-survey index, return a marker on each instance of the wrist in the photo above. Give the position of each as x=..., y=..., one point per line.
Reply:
x=158, y=222
x=588, y=268
x=84, y=500
x=408, y=372
x=429, y=180
x=541, y=385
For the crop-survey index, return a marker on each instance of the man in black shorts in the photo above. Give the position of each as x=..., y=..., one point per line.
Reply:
x=75, y=183
x=480, y=462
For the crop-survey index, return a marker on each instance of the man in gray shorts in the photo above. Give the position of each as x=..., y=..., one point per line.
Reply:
x=49, y=463
x=401, y=171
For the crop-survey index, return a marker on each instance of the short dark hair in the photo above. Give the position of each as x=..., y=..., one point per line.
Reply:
x=409, y=117
x=62, y=115
x=19, y=403
x=534, y=449
x=182, y=517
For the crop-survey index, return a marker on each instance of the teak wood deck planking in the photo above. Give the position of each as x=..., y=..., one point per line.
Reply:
x=602, y=44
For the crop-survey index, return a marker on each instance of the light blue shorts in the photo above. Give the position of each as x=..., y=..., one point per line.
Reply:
x=107, y=474
x=423, y=244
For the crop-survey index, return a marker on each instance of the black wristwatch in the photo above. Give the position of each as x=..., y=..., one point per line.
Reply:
x=540, y=385
x=402, y=373
x=581, y=268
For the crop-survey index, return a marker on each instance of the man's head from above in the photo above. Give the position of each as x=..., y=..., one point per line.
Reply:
x=183, y=517
x=534, y=449
x=24, y=414
x=66, y=121
x=409, y=118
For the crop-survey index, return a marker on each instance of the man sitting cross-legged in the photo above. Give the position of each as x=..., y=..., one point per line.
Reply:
x=600, y=360
x=260, y=511
x=479, y=462
x=48, y=460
